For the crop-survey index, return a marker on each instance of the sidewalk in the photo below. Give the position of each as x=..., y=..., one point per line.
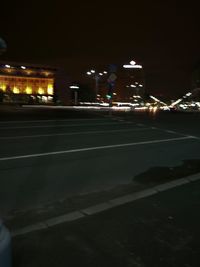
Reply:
x=158, y=230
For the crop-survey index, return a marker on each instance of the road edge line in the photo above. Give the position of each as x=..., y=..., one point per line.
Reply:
x=113, y=203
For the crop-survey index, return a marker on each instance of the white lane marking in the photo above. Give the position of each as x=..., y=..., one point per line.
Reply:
x=177, y=133
x=74, y=133
x=42, y=121
x=174, y=132
x=94, y=148
x=69, y=217
x=171, y=184
x=62, y=125
x=169, y=131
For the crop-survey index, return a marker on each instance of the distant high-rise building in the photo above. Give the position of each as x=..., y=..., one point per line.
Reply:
x=132, y=83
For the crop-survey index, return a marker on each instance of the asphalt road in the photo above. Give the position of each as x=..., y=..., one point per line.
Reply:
x=47, y=155
x=161, y=230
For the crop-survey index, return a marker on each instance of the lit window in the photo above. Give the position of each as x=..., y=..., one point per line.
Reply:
x=9, y=70
x=16, y=90
x=28, y=72
x=3, y=87
x=40, y=91
x=50, y=89
x=28, y=90
x=47, y=73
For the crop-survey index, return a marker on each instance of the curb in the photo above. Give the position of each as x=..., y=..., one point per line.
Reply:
x=78, y=214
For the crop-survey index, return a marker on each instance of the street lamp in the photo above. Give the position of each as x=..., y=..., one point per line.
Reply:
x=132, y=62
x=75, y=88
x=130, y=66
x=96, y=76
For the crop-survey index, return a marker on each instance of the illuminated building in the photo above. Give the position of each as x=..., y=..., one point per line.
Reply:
x=133, y=83
x=27, y=83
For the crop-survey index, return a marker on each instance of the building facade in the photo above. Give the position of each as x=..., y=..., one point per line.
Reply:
x=26, y=83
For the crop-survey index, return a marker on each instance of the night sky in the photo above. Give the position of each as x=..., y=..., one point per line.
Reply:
x=163, y=36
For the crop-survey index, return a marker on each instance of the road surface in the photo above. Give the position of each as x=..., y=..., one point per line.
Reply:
x=46, y=157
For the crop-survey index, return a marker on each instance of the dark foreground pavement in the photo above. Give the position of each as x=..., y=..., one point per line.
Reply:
x=161, y=230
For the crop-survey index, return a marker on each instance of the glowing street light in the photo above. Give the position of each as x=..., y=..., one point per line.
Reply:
x=189, y=94
x=132, y=62
x=132, y=66
x=96, y=77
x=75, y=89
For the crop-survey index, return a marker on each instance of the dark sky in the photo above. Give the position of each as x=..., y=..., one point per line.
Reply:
x=163, y=36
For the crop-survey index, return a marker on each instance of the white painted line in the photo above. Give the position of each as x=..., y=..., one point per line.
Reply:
x=115, y=118
x=192, y=136
x=93, y=148
x=73, y=133
x=30, y=228
x=65, y=218
x=58, y=120
x=72, y=216
x=129, y=198
x=169, y=131
x=97, y=208
x=177, y=133
x=171, y=184
x=194, y=177
x=62, y=125
x=174, y=132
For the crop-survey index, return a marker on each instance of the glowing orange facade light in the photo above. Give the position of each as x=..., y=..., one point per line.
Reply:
x=3, y=87
x=40, y=91
x=28, y=90
x=50, y=89
x=16, y=90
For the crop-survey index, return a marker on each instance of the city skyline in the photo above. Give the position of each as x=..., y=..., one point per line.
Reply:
x=163, y=37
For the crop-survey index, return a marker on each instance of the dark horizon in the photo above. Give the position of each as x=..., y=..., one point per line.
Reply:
x=163, y=37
